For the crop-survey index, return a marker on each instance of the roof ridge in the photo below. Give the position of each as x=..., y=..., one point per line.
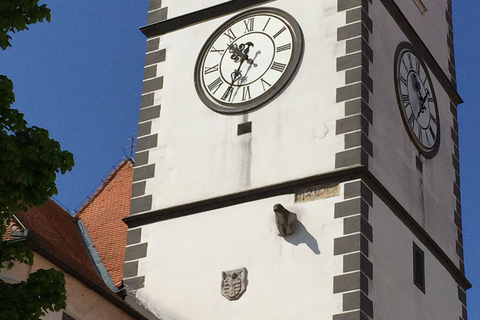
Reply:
x=102, y=187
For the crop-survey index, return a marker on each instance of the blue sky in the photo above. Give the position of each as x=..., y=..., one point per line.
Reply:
x=80, y=77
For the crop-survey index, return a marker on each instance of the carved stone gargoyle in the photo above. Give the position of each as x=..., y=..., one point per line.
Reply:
x=285, y=220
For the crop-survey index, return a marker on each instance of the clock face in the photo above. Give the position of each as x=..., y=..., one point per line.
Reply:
x=417, y=101
x=248, y=60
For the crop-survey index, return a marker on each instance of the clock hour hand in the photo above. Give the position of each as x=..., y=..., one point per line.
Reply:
x=422, y=102
x=239, y=54
x=416, y=84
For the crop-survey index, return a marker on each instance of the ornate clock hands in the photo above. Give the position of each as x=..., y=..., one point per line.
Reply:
x=422, y=102
x=239, y=54
x=422, y=99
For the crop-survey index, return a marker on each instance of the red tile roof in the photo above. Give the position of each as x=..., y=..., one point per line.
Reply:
x=102, y=216
x=57, y=235
x=53, y=234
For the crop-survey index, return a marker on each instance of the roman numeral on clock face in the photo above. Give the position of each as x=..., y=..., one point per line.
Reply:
x=278, y=66
x=215, y=85
x=284, y=47
x=220, y=52
x=227, y=96
x=211, y=69
x=246, y=93
x=417, y=66
x=409, y=56
x=411, y=120
x=231, y=36
x=249, y=24
x=279, y=32
x=429, y=143
x=419, y=134
x=432, y=117
x=266, y=24
x=264, y=84
x=432, y=133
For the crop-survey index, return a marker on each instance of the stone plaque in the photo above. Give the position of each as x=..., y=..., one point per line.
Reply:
x=317, y=192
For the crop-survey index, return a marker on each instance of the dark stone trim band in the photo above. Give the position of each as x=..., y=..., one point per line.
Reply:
x=153, y=44
x=133, y=284
x=358, y=261
x=359, y=106
x=343, y=5
x=354, y=246
x=147, y=142
x=358, y=300
x=147, y=100
x=358, y=84
x=351, y=157
x=149, y=113
x=351, y=173
x=357, y=139
x=134, y=236
x=353, y=123
x=349, y=282
x=130, y=269
x=143, y=173
x=141, y=204
x=189, y=19
x=351, y=207
x=138, y=189
x=155, y=57
x=157, y=15
x=144, y=129
x=152, y=85
x=154, y=4
x=355, y=315
x=136, y=252
x=456, y=187
x=351, y=243
x=141, y=158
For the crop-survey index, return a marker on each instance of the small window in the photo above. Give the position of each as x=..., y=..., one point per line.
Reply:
x=244, y=128
x=419, y=268
x=420, y=6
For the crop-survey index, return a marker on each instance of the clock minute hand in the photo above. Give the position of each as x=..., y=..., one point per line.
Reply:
x=422, y=102
x=239, y=54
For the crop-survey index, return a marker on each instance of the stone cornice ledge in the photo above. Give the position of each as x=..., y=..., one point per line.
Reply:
x=345, y=174
x=189, y=19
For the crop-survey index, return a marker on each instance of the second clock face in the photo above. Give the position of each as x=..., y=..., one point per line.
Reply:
x=248, y=60
x=417, y=101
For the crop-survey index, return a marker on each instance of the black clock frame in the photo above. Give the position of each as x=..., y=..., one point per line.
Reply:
x=426, y=152
x=279, y=86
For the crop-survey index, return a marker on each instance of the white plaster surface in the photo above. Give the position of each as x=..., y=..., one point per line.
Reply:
x=393, y=290
x=295, y=133
x=200, y=156
x=427, y=196
x=289, y=278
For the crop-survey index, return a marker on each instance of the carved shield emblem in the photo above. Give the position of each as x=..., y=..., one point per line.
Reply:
x=234, y=283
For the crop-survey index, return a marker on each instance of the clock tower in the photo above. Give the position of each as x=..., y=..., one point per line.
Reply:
x=298, y=162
